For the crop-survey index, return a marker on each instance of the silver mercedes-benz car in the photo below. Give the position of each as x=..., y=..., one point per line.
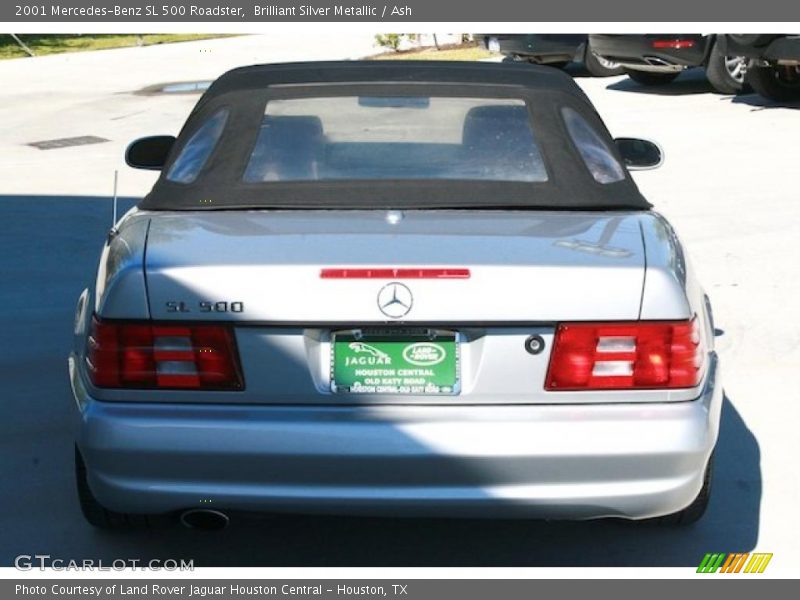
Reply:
x=394, y=288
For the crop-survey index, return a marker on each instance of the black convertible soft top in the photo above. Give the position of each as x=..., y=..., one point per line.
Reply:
x=245, y=92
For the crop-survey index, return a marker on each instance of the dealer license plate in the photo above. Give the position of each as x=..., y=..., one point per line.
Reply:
x=390, y=363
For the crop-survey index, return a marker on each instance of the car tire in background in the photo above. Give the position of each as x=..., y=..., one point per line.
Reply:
x=95, y=513
x=726, y=74
x=779, y=83
x=695, y=511
x=755, y=40
x=599, y=66
x=650, y=78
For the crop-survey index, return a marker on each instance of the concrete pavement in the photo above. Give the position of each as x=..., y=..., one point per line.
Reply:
x=94, y=93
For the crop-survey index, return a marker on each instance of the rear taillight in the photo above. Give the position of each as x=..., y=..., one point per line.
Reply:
x=635, y=355
x=673, y=44
x=151, y=355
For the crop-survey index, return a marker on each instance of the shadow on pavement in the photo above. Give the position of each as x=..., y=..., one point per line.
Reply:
x=50, y=249
x=692, y=81
x=576, y=70
x=761, y=103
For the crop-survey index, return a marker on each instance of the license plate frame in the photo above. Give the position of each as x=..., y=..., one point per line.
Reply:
x=396, y=362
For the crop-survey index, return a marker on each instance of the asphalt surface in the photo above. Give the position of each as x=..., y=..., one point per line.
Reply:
x=729, y=185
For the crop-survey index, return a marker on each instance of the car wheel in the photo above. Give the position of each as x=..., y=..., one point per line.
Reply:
x=509, y=59
x=726, y=74
x=693, y=512
x=780, y=83
x=650, y=78
x=599, y=66
x=94, y=512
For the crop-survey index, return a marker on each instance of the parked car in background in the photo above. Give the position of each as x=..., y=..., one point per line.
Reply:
x=554, y=50
x=774, y=70
x=398, y=288
x=656, y=59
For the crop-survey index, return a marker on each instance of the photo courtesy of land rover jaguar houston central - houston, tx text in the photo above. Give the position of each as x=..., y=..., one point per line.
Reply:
x=399, y=289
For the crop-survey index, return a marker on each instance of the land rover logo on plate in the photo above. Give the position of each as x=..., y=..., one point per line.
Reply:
x=424, y=354
x=395, y=300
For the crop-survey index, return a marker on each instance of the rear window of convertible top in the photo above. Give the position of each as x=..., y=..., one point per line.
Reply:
x=377, y=137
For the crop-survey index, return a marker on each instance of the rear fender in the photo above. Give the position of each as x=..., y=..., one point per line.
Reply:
x=671, y=288
x=121, y=289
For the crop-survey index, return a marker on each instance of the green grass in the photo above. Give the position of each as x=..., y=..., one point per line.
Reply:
x=460, y=52
x=43, y=44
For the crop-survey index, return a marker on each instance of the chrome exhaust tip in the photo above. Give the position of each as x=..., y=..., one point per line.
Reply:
x=205, y=519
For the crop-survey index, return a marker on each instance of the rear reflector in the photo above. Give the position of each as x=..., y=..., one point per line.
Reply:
x=673, y=44
x=404, y=273
x=151, y=355
x=636, y=355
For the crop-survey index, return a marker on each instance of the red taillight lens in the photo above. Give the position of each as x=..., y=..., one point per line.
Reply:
x=142, y=355
x=637, y=355
x=673, y=44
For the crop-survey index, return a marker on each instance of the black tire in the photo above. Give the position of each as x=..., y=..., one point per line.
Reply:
x=650, y=78
x=726, y=74
x=95, y=513
x=509, y=59
x=756, y=40
x=694, y=512
x=778, y=83
x=597, y=68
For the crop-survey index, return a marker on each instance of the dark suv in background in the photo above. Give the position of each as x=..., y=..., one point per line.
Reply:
x=555, y=50
x=774, y=70
x=655, y=59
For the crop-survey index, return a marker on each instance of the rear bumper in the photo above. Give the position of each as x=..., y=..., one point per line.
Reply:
x=541, y=48
x=569, y=461
x=636, y=52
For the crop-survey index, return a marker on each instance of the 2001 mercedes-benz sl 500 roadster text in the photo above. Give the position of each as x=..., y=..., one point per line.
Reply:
x=398, y=289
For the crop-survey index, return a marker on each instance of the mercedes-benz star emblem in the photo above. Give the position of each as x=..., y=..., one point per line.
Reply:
x=395, y=300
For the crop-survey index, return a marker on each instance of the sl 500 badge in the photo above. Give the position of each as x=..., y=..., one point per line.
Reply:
x=204, y=306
